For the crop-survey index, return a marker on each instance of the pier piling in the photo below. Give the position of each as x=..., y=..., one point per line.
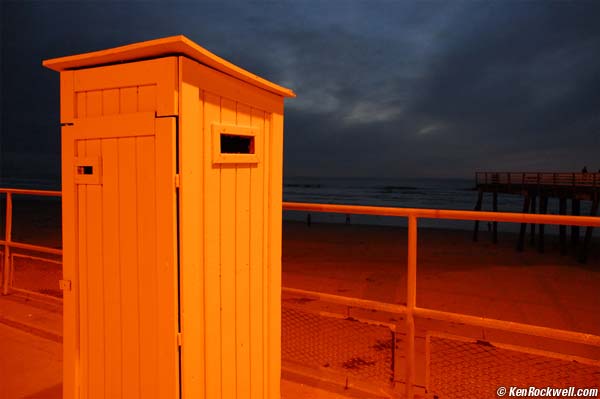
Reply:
x=533, y=210
x=477, y=208
x=575, y=211
x=526, y=203
x=562, y=210
x=588, y=232
x=543, y=210
x=495, y=224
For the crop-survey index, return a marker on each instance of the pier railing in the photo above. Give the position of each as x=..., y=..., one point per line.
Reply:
x=579, y=180
x=8, y=244
x=411, y=310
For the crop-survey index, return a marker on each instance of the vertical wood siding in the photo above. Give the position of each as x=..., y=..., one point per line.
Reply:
x=125, y=271
x=122, y=316
x=119, y=89
x=230, y=347
x=114, y=101
x=126, y=245
x=236, y=235
x=119, y=275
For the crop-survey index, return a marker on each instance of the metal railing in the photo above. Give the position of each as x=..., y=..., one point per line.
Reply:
x=9, y=244
x=579, y=180
x=411, y=309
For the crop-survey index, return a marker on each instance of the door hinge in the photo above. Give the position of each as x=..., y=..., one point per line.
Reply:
x=177, y=181
x=64, y=285
x=179, y=339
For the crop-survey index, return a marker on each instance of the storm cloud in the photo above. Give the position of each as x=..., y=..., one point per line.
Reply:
x=392, y=89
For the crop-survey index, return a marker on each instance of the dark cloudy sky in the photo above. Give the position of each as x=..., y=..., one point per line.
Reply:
x=392, y=89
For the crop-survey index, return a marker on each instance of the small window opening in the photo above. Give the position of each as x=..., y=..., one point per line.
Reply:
x=233, y=144
x=85, y=170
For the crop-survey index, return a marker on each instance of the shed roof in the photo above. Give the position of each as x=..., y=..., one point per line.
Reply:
x=173, y=45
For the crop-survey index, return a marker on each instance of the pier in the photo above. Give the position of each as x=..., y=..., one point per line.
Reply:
x=537, y=188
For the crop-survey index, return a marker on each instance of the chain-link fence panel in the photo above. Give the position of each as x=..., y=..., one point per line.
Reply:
x=2, y=269
x=466, y=368
x=358, y=349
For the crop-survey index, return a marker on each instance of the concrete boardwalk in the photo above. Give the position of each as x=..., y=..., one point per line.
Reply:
x=31, y=360
x=31, y=366
x=31, y=348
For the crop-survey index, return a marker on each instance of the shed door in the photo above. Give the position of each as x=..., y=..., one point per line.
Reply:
x=125, y=268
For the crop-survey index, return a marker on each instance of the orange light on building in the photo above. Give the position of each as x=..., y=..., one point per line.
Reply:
x=172, y=183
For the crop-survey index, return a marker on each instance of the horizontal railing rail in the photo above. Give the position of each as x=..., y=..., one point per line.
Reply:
x=32, y=247
x=444, y=214
x=411, y=310
x=38, y=193
x=509, y=326
x=478, y=321
x=349, y=301
x=559, y=179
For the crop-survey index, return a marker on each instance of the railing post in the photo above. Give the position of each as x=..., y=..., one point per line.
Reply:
x=7, y=239
x=411, y=302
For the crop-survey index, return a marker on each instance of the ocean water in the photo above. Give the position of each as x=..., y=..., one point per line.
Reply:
x=431, y=193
